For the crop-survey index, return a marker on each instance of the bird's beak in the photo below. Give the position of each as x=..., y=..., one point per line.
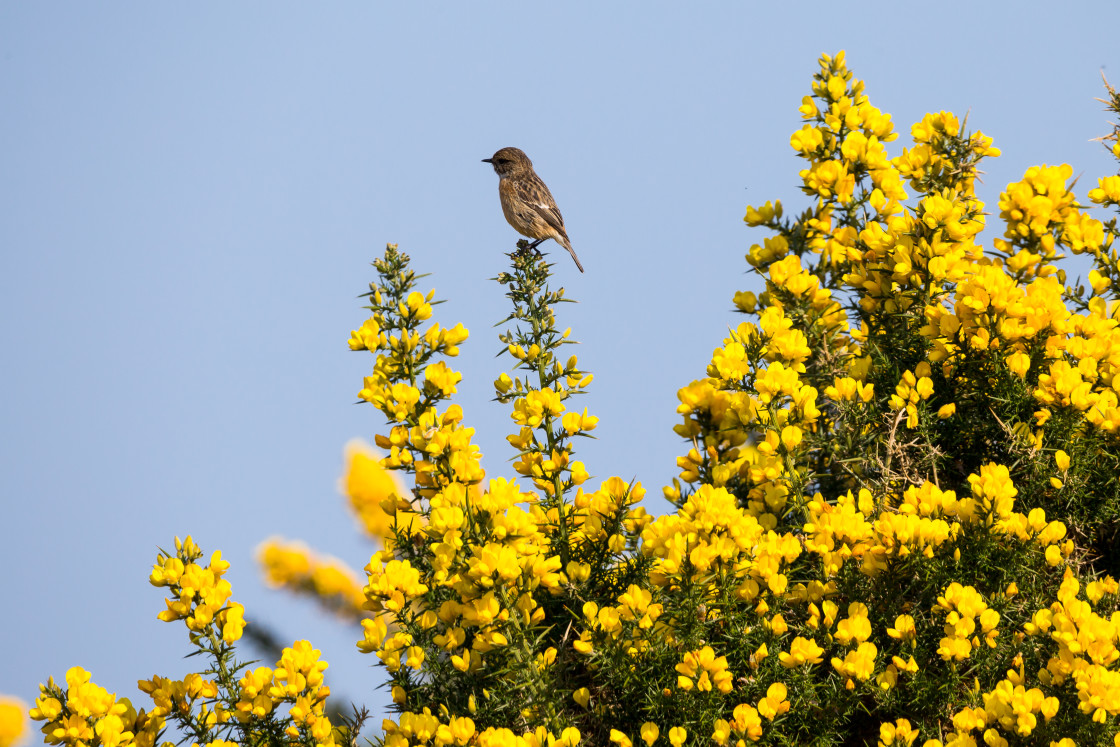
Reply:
x=488, y=160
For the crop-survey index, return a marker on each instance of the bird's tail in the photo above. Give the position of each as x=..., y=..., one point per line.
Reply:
x=568, y=245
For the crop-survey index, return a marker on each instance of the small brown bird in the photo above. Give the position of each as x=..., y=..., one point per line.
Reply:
x=526, y=201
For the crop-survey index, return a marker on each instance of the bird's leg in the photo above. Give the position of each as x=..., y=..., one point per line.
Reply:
x=533, y=246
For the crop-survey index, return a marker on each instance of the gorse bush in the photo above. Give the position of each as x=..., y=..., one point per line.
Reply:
x=895, y=520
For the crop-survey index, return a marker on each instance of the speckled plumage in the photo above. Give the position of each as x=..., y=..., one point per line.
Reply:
x=526, y=201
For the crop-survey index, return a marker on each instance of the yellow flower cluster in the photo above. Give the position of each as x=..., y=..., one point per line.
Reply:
x=844, y=141
x=847, y=389
x=993, y=311
x=186, y=695
x=924, y=519
x=1008, y=709
x=424, y=728
x=704, y=670
x=993, y=495
x=1067, y=386
x=897, y=734
x=792, y=288
x=964, y=607
x=199, y=595
x=433, y=441
x=486, y=549
x=415, y=308
x=711, y=536
x=857, y=664
x=1041, y=213
x=753, y=417
x=392, y=583
x=407, y=382
x=839, y=531
x=905, y=257
x=629, y=622
x=896, y=252
x=296, y=681
x=1014, y=707
x=1087, y=646
x=915, y=386
x=925, y=264
x=293, y=566
x=237, y=702
x=897, y=534
x=544, y=455
x=375, y=493
x=85, y=713
x=746, y=720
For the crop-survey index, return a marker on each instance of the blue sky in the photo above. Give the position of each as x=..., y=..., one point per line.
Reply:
x=191, y=197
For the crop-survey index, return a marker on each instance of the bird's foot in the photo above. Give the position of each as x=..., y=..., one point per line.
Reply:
x=524, y=247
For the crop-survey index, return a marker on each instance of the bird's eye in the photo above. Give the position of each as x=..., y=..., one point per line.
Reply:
x=503, y=160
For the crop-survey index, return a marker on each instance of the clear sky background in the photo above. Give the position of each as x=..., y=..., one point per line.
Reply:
x=191, y=194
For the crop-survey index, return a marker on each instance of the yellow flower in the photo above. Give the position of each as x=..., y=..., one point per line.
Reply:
x=828, y=179
x=677, y=735
x=757, y=657
x=416, y=306
x=1019, y=363
x=13, y=721
x=791, y=437
x=708, y=670
x=858, y=664
x=375, y=493
x=367, y=336
x=903, y=628
x=461, y=729
x=745, y=301
x=575, y=422
x=775, y=703
x=897, y=733
x=1107, y=191
x=805, y=141
x=570, y=737
x=747, y=721
x=764, y=214
x=650, y=732
x=442, y=379
x=535, y=406
x=801, y=651
x=232, y=622
x=721, y=731
x=856, y=627
x=620, y=739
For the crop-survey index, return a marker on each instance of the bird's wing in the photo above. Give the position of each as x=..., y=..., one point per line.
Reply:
x=535, y=194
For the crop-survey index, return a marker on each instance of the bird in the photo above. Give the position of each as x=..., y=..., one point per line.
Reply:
x=526, y=201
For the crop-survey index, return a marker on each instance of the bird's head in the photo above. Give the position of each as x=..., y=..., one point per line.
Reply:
x=509, y=161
